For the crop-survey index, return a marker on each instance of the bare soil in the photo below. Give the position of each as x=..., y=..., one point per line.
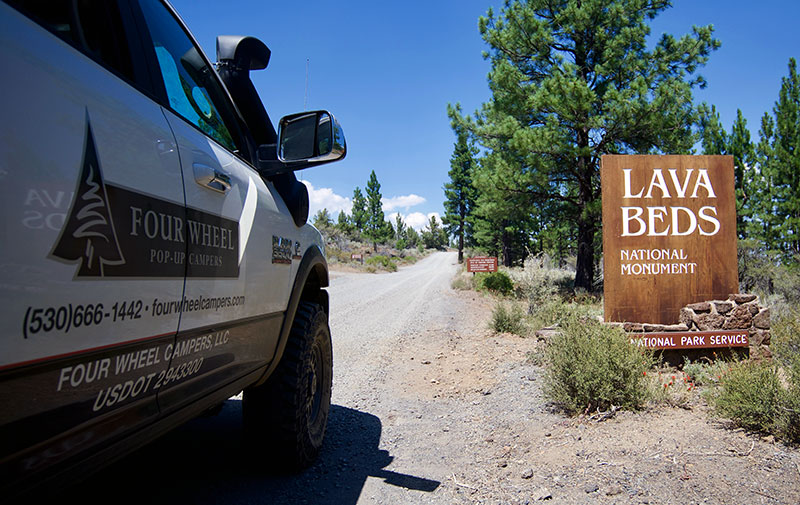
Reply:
x=521, y=450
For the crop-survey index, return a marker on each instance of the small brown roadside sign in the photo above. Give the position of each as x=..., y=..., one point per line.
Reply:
x=482, y=264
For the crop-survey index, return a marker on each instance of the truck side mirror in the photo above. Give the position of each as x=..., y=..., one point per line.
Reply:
x=305, y=139
x=312, y=137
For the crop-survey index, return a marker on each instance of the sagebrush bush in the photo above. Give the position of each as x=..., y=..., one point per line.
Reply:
x=592, y=366
x=785, y=343
x=539, y=280
x=786, y=348
x=497, y=282
x=463, y=281
x=508, y=319
x=750, y=395
x=706, y=373
x=383, y=262
x=553, y=312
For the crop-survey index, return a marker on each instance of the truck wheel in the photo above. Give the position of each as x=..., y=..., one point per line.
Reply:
x=287, y=415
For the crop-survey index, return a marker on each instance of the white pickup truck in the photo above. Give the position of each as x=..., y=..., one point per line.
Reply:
x=156, y=258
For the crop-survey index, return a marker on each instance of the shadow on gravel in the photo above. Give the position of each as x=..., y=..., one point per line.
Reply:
x=206, y=461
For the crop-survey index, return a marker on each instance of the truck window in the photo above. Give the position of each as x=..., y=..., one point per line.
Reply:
x=192, y=88
x=94, y=28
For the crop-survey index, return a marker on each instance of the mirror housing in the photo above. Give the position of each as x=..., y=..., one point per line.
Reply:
x=305, y=139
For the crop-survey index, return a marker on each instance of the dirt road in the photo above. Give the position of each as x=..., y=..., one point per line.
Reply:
x=430, y=407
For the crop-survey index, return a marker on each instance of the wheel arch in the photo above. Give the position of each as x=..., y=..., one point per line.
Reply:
x=311, y=278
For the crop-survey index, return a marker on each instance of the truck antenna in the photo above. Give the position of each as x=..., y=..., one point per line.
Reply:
x=305, y=99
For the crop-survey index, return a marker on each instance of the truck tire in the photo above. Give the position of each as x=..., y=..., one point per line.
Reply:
x=288, y=414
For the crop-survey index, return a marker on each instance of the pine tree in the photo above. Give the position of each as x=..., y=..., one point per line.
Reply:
x=737, y=144
x=572, y=80
x=434, y=236
x=399, y=227
x=375, y=229
x=787, y=162
x=712, y=135
x=740, y=146
x=322, y=220
x=503, y=220
x=763, y=226
x=344, y=225
x=359, y=212
x=459, y=192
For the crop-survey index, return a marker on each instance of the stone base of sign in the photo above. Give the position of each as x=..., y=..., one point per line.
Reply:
x=739, y=312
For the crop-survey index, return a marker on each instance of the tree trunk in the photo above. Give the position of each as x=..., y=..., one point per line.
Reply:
x=506, y=244
x=584, y=273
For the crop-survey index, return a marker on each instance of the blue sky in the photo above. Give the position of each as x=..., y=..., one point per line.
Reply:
x=387, y=71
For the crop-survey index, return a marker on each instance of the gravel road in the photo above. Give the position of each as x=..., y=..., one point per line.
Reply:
x=369, y=313
x=431, y=407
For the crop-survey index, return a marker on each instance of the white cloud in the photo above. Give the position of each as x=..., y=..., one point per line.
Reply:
x=418, y=220
x=325, y=198
x=401, y=202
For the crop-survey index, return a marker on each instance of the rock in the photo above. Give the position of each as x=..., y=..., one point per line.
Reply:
x=740, y=298
x=700, y=308
x=738, y=319
x=633, y=327
x=614, y=490
x=546, y=334
x=541, y=494
x=590, y=488
x=527, y=474
x=676, y=327
x=687, y=317
x=708, y=322
x=723, y=307
x=756, y=338
x=649, y=328
x=761, y=320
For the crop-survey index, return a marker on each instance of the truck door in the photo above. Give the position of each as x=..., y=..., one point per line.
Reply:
x=92, y=194
x=235, y=297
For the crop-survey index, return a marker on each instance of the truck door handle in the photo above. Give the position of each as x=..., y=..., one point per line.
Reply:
x=211, y=178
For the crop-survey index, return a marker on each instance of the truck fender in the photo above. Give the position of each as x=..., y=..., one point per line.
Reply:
x=312, y=276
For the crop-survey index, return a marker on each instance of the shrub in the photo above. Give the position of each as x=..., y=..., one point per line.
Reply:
x=463, y=281
x=382, y=262
x=498, y=282
x=706, y=374
x=750, y=395
x=539, y=280
x=785, y=344
x=507, y=319
x=592, y=366
x=555, y=311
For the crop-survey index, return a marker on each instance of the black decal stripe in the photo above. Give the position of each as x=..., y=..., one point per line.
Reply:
x=227, y=324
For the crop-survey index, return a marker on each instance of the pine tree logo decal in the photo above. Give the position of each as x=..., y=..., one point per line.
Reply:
x=88, y=235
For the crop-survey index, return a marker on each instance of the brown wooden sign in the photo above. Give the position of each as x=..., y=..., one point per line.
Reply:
x=669, y=234
x=482, y=264
x=692, y=339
